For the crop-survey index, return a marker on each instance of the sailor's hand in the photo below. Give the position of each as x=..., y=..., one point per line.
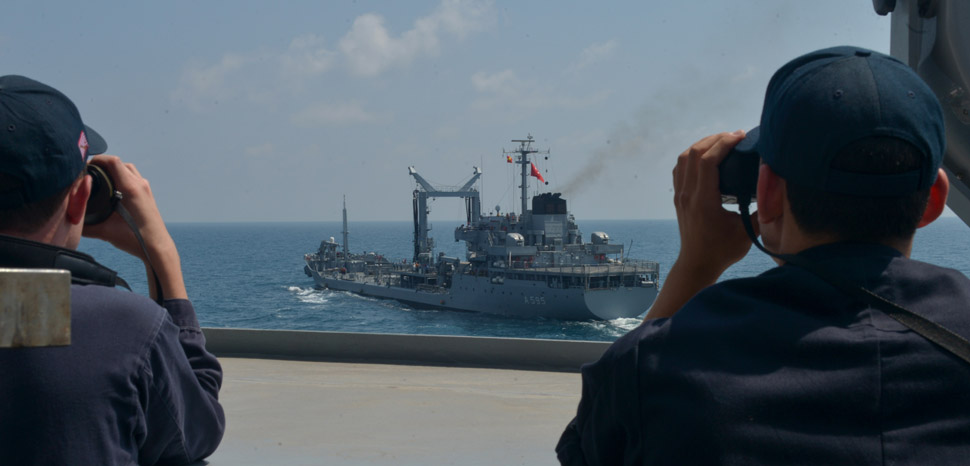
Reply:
x=711, y=238
x=138, y=200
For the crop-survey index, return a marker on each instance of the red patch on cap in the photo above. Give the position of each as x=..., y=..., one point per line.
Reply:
x=82, y=144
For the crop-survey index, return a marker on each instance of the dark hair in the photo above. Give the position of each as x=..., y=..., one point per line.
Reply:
x=30, y=217
x=863, y=218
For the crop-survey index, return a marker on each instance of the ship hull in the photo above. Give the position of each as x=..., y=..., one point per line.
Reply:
x=519, y=298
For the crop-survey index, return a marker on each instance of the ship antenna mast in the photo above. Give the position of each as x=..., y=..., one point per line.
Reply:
x=345, y=232
x=522, y=158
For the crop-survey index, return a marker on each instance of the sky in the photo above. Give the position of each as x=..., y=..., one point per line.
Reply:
x=273, y=111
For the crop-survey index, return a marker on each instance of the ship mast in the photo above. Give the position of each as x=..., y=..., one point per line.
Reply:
x=522, y=158
x=345, y=232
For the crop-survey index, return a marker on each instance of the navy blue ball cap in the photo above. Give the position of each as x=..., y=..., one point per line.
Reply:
x=44, y=145
x=820, y=102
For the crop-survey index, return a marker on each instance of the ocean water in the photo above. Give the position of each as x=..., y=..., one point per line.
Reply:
x=250, y=275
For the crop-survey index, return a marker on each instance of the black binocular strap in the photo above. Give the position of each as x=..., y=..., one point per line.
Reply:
x=131, y=223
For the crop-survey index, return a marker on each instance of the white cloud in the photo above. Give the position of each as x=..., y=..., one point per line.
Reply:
x=209, y=83
x=541, y=100
x=594, y=53
x=334, y=114
x=259, y=76
x=503, y=82
x=307, y=56
x=461, y=17
x=369, y=48
x=504, y=89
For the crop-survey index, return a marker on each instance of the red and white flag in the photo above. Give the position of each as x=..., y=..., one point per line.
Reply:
x=535, y=173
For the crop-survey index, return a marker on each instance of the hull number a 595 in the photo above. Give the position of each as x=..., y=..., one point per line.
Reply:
x=540, y=300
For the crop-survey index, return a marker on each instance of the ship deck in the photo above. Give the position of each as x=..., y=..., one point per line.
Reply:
x=579, y=270
x=300, y=398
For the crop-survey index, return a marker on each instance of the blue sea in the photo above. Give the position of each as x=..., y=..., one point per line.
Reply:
x=250, y=275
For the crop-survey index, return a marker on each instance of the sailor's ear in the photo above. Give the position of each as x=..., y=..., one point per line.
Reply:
x=937, y=200
x=771, y=195
x=77, y=200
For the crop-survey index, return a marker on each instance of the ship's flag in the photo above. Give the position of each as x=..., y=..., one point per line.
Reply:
x=508, y=158
x=535, y=173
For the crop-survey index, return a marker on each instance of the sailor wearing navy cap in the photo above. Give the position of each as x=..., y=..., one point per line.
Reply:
x=136, y=384
x=848, y=352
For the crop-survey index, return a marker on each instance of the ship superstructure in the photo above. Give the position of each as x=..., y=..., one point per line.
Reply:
x=534, y=264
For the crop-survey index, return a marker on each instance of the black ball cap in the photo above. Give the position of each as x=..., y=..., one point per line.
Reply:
x=44, y=144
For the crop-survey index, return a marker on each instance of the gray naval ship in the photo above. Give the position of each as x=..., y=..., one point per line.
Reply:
x=534, y=264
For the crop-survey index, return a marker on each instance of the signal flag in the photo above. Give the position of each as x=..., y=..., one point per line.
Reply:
x=535, y=173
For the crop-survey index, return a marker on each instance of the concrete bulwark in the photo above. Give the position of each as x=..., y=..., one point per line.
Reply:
x=438, y=350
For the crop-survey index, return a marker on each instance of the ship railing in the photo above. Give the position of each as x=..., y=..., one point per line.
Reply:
x=631, y=273
x=393, y=267
x=643, y=265
x=628, y=266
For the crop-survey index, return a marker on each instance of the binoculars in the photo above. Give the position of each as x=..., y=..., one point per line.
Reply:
x=103, y=199
x=738, y=175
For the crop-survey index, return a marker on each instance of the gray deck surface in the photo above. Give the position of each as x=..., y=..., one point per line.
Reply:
x=285, y=412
